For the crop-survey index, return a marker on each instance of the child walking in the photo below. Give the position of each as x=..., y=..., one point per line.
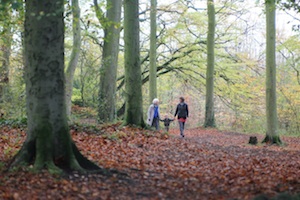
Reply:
x=167, y=122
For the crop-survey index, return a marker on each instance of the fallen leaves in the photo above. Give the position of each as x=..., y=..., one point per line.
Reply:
x=206, y=164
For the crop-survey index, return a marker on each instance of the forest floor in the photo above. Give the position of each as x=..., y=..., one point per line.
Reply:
x=206, y=164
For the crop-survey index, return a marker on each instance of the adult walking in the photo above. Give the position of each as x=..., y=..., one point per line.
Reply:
x=182, y=112
x=153, y=114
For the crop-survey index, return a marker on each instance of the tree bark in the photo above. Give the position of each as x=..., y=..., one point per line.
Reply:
x=209, y=103
x=48, y=143
x=133, y=82
x=272, y=135
x=153, y=67
x=6, y=37
x=108, y=71
x=74, y=55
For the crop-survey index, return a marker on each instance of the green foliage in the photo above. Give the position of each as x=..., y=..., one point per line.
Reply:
x=290, y=4
x=181, y=60
x=84, y=114
x=14, y=122
x=85, y=127
x=2, y=165
x=76, y=97
x=86, y=80
x=13, y=105
x=16, y=4
x=115, y=136
x=294, y=5
x=288, y=86
x=148, y=133
x=9, y=151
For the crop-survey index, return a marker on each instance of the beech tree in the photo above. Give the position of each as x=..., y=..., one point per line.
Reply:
x=153, y=67
x=133, y=82
x=108, y=71
x=272, y=135
x=48, y=143
x=209, y=101
x=74, y=55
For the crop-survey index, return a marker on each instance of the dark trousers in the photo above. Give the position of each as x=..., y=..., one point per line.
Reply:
x=155, y=123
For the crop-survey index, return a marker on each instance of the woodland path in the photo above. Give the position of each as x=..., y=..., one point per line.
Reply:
x=206, y=164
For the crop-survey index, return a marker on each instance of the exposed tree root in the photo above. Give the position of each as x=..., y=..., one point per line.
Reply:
x=210, y=124
x=83, y=161
x=54, y=164
x=272, y=140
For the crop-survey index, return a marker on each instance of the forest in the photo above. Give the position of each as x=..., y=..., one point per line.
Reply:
x=78, y=79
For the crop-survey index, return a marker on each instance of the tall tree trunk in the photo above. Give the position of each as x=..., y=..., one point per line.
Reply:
x=6, y=36
x=108, y=75
x=272, y=135
x=48, y=143
x=153, y=67
x=133, y=82
x=209, y=103
x=74, y=55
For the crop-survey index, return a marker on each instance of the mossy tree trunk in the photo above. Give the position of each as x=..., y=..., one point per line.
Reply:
x=74, y=55
x=5, y=46
x=153, y=67
x=272, y=135
x=133, y=77
x=108, y=71
x=48, y=143
x=209, y=102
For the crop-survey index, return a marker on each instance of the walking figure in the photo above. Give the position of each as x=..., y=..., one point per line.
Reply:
x=153, y=114
x=182, y=113
x=167, y=122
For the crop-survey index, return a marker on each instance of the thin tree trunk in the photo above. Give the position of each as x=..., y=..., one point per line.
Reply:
x=133, y=82
x=74, y=55
x=272, y=135
x=108, y=75
x=153, y=67
x=209, y=103
x=6, y=37
x=48, y=143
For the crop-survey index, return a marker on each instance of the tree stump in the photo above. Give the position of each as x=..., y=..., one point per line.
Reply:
x=253, y=140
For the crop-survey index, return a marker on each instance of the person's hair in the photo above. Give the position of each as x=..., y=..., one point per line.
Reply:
x=182, y=99
x=155, y=101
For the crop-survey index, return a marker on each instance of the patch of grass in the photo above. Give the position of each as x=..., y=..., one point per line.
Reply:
x=83, y=112
x=148, y=133
x=289, y=133
x=89, y=128
x=14, y=122
x=115, y=136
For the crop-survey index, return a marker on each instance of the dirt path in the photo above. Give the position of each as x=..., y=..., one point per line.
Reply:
x=208, y=164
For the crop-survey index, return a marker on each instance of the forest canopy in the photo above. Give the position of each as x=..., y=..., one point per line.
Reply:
x=180, y=60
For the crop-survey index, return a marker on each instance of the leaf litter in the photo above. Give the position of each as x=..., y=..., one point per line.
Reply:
x=206, y=164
